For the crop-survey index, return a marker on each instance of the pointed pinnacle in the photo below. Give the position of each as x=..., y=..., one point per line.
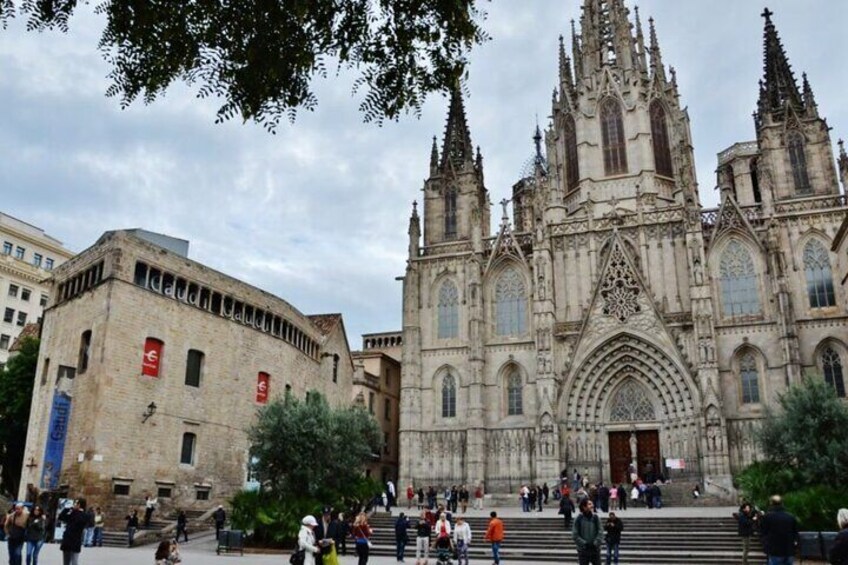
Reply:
x=434, y=154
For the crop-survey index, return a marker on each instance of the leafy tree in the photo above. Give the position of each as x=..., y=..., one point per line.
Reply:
x=16, y=382
x=808, y=435
x=262, y=56
x=307, y=450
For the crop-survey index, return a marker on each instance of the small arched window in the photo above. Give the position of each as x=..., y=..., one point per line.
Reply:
x=798, y=161
x=832, y=368
x=449, y=396
x=749, y=378
x=819, y=275
x=84, y=351
x=659, y=137
x=450, y=213
x=510, y=304
x=188, y=448
x=572, y=168
x=448, y=310
x=612, y=132
x=514, y=393
x=738, y=281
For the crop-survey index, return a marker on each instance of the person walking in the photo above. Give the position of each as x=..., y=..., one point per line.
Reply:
x=478, y=497
x=495, y=535
x=422, y=539
x=88, y=533
x=75, y=523
x=622, y=497
x=220, y=517
x=566, y=508
x=149, y=508
x=401, y=536
x=132, y=526
x=462, y=539
x=306, y=540
x=779, y=533
x=613, y=529
x=15, y=528
x=746, y=521
x=839, y=552
x=613, y=498
x=182, y=526
x=98, y=527
x=391, y=495
x=410, y=495
x=656, y=495
x=361, y=533
x=36, y=533
x=463, y=498
x=588, y=534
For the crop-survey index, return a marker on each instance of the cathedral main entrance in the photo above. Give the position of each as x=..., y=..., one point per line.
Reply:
x=622, y=445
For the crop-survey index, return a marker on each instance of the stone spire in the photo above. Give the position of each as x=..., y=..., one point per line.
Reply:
x=434, y=158
x=809, y=98
x=843, y=165
x=640, y=41
x=414, y=231
x=576, y=52
x=566, y=79
x=778, y=88
x=657, y=67
x=606, y=35
x=457, y=149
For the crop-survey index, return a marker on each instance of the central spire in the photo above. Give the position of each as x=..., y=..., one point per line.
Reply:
x=457, y=149
x=606, y=34
x=778, y=87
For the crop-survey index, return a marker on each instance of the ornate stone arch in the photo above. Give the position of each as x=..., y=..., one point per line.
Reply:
x=746, y=359
x=831, y=361
x=627, y=356
x=510, y=375
x=631, y=401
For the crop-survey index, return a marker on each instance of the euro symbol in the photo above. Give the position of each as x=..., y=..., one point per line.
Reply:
x=152, y=356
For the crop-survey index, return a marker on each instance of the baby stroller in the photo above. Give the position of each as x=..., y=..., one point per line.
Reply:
x=444, y=551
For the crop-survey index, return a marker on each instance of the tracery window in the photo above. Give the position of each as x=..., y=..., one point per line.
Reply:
x=749, y=376
x=832, y=366
x=572, y=168
x=659, y=137
x=510, y=304
x=450, y=213
x=515, y=400
x=631, y=404
x=449, y=396
x=612, y=132
x=798, y=161
x=819, y=275
x=448, y=310
x=738, y=281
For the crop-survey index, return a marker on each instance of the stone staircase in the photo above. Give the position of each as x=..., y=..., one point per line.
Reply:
x=645, y=540
x=161, y=527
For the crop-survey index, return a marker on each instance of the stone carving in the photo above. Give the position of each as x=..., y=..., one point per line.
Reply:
x=631, y=404
x=620, y=288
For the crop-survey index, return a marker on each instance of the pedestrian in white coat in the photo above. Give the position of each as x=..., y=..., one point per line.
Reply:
x=306, y=540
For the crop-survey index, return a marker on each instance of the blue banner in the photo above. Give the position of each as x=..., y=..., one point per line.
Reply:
x=60, y=416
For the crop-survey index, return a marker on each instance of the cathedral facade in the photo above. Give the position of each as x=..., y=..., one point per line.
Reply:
x=615, y=321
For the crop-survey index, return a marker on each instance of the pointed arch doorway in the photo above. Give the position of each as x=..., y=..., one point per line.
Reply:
x=633, y=432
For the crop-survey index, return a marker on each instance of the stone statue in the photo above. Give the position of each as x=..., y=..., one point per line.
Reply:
x=633, y=446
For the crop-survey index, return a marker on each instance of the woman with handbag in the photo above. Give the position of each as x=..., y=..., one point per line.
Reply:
x=36, y=532
x=306, y=548
x=361, y=532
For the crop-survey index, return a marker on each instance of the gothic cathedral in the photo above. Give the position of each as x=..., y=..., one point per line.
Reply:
x=615, y=320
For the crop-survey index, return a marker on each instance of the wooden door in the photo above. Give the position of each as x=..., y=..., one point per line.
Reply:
x=648, y=442
x=619, y=450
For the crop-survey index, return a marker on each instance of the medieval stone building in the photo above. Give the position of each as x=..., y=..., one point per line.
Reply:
x=615, y=320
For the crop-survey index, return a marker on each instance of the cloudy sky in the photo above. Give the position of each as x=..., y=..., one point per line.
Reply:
x=318, y=213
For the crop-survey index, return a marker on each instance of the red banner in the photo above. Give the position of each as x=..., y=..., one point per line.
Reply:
x=152, y=357
x=263, y=382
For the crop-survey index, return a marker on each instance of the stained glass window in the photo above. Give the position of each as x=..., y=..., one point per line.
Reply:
x=798, y=161
x=819, y=275
x=749, y=376
x=572, y=169
x=515, y=404
x=448, y=310
x=832, y=365
x=738, y=281
x=510, y=304
x=659, y=136
x=631, y=403
x=449, y=396
x=612, y=131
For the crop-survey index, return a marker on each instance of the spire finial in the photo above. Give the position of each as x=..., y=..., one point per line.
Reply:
x=657, y=67
x=457, y=148
x=434, y=156
x=504, y=204
x=640, y=41
x=414, y=208
x=779, y=85
x=767, y=14
x=841, y=148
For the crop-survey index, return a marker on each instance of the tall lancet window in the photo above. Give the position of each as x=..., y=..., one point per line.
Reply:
x=832, y=365
x=510, y=304
x=449, y=396
x=450, y=213
x=612, y=131
x=515, y=401
x=572, y=169
x=448, y=310
x=659, y=136
x=798, y=161
x=738, y=280
x=819, y=275
x=749, y=377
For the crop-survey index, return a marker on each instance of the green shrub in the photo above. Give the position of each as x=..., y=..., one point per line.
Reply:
x=269, y=521
x=758, y=481
x=816, y=507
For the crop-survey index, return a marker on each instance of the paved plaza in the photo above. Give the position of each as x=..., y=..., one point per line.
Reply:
x=201, y=551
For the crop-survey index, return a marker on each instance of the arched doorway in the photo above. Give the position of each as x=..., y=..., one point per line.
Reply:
x=629, y=405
